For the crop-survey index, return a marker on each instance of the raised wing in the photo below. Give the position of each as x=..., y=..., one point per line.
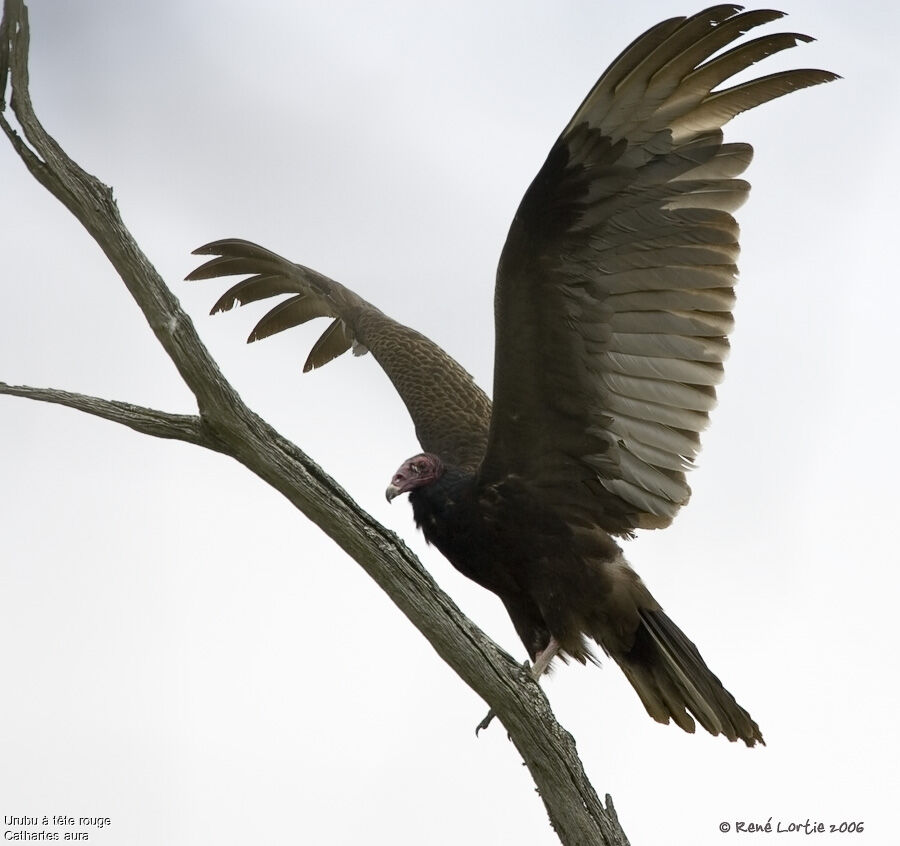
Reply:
x=615, y=286
x=450, y=412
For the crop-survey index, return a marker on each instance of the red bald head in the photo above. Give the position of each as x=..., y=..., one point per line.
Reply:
x=415, y=472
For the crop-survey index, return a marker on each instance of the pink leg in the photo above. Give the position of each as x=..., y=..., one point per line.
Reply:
x=543, y=659
x=541, y=662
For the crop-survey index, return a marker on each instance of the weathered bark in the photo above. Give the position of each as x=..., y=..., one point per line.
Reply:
x=225, y=424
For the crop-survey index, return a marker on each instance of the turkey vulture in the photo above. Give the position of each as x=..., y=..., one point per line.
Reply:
x=613, y=307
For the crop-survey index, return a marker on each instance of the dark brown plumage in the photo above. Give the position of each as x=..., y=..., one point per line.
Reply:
x=613, y=306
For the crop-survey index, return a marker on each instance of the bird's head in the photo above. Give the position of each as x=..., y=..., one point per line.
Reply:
x=415, y=472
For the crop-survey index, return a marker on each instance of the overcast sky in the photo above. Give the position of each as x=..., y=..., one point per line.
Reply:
x=184, y=653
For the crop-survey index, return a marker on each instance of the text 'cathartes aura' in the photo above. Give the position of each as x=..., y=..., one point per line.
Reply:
x=613, y=308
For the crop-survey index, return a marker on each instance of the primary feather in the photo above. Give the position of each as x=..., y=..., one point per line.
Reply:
x=613, y=307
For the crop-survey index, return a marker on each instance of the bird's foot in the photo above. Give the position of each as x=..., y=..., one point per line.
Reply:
x=534, y=672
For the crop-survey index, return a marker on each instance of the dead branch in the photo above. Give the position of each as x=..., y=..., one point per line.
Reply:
x=227, y=425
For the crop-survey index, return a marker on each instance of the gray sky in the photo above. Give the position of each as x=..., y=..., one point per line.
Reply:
x=183, y=652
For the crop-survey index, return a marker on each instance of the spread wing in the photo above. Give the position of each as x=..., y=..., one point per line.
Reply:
x=616, y=283
x=450, y=412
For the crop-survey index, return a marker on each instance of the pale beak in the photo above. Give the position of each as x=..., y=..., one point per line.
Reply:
x=392, y=491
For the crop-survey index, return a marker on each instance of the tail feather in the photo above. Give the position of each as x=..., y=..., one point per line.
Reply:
x=673, y=682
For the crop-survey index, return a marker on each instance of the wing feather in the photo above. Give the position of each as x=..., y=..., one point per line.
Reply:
x=698, y=324
x=291, y=312
x=335, y=341
x=673, y=369
x=251, y=290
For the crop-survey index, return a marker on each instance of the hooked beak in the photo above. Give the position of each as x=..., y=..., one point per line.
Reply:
x=399, y=484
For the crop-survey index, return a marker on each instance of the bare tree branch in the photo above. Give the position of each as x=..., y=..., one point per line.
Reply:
x=225, y=424
x=147, y=421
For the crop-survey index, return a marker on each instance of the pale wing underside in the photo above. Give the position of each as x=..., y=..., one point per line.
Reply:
x=616, y=284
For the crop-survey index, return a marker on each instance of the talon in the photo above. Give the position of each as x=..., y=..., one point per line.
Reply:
x=485, y=722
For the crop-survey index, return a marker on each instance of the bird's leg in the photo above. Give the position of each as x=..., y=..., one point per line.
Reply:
x=541, y=663
x=543, y=658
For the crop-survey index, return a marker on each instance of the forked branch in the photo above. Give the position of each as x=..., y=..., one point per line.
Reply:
x=225, y=424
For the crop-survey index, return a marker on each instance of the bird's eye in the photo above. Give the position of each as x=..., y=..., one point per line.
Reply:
x=416, y=468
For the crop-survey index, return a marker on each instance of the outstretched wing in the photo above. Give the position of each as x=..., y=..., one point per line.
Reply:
x=450, y=412
x=615, y=286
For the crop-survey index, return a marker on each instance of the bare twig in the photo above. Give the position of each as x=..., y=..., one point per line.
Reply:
x=226, y=424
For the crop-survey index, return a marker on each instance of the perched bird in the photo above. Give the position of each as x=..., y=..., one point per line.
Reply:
x=613, y=307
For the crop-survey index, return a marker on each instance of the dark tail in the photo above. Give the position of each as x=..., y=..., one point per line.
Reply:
x=673, y=681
